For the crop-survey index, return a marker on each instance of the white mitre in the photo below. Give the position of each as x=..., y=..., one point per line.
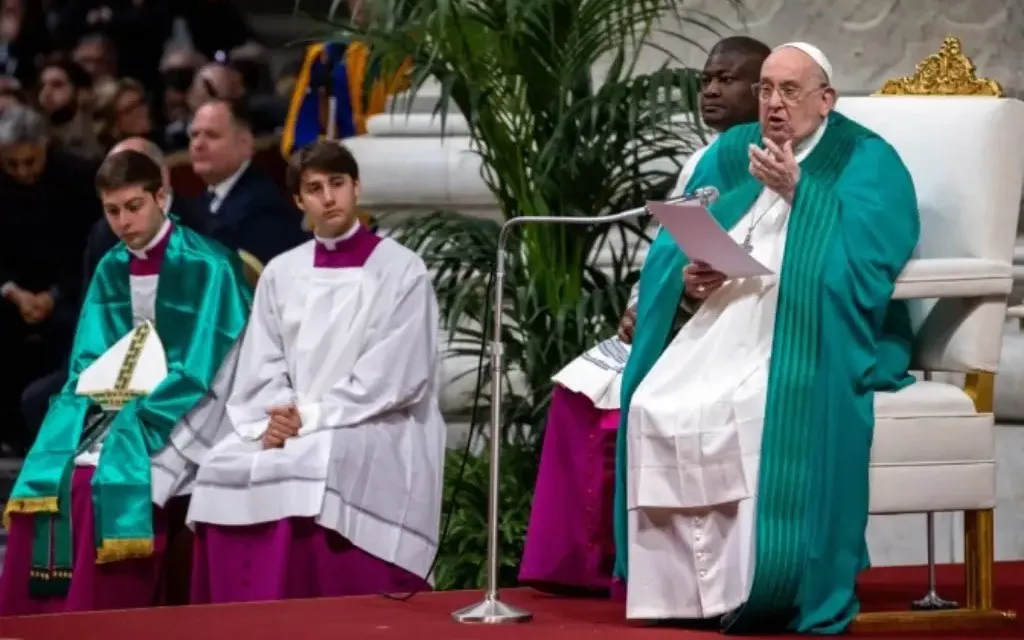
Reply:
x=814, y=53
x=134, y=366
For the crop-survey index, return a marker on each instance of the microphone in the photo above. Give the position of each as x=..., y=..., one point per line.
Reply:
x=706, y=195
x=491, y=609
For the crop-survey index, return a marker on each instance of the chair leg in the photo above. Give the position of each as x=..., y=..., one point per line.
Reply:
x=932, y=601
x=979, y=547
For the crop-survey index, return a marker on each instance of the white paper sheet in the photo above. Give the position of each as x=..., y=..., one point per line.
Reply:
x=702, y=239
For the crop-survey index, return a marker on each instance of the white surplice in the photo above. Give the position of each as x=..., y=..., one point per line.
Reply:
x=356, y=350
x=597, y=373
x=695, y=426
x=174, y=468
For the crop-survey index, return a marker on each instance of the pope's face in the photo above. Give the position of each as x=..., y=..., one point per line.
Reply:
x=329, y=202
x=794, y=96
x=134, y=214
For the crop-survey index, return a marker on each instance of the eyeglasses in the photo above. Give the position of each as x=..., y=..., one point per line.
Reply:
x=790, y=94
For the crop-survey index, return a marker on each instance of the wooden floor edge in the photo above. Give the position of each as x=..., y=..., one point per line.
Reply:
x=955, y=619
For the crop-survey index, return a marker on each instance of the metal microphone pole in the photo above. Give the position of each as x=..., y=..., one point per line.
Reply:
x=491, y=610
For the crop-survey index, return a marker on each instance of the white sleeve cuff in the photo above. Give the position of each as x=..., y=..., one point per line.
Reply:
x=310, y=413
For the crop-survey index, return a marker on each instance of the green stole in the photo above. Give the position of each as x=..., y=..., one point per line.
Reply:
x=837, y=339
x=202, y=306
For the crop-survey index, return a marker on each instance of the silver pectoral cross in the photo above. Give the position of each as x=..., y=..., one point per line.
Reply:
x=747, y=244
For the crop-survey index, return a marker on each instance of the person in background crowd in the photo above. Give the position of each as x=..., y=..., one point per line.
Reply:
x=11, y=92
x=215, y=26
x=569, y=542
x=268, y=110
x=178, y=69
x=95, y=53
x=23, y=39
x=211, y=81
x=215, y=81
x=64, y=95
x=329, y=483
x=284, y=86
x=246, y=210
x=48, y=206
x=135, y=29
x=124, y=113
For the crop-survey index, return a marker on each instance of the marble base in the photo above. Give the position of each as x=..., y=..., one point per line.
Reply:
x=901, y=540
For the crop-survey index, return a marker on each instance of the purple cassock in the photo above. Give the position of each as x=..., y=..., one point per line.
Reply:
x=294, y=557
x=126, y=584
x=569, y=543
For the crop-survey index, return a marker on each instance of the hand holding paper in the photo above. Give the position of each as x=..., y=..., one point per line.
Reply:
x=702, y=239
x=700, y=280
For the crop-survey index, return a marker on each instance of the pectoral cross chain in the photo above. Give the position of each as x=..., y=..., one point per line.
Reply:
x=747, y=243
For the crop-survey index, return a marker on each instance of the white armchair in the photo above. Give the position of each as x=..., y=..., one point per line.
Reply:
x=934, y=441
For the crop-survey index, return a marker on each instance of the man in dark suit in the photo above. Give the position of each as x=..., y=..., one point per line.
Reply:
x=36, y=397
x=47, y=205
x=246, y=209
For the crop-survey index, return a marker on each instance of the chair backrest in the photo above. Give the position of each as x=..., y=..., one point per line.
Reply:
x=252, y=268
x=964, y=147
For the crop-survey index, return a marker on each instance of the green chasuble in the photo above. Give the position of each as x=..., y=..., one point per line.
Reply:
x=202, y=305
x=838, y=338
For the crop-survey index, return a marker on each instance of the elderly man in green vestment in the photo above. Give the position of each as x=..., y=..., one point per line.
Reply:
x=152, y=363
x=742, y=466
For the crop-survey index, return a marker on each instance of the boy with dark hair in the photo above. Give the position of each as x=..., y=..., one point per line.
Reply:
x=330, y=484
x=153, y=359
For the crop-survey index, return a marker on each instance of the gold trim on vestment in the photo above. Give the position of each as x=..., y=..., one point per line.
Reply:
x=121, y=395
x=126, y=549
x=28, y=505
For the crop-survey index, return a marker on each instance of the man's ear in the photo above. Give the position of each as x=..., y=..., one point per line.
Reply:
x=357, y=189
x=161, y=198
x=830, y=97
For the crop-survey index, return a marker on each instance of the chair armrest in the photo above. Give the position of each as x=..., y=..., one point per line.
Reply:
x=954, y=278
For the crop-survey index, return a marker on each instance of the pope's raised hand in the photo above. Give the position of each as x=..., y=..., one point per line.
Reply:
x=776, y=168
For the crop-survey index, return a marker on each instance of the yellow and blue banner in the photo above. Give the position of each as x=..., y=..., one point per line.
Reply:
x=344, y=66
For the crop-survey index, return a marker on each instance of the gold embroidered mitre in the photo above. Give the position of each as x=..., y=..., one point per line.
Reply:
x=133, y=367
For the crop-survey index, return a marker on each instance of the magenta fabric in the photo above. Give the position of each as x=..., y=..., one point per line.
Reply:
x=150, y=265
x=291, y=558
x=569, y=541
x=347, y=253
x=129, y=584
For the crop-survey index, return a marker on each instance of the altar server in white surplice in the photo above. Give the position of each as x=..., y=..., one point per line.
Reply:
x=330, y=484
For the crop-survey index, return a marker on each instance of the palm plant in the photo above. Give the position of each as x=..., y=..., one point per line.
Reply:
x=555, y=140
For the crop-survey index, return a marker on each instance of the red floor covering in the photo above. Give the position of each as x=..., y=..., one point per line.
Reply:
x=427, y=616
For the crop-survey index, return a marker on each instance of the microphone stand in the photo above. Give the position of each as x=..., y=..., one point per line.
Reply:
x=491, y=610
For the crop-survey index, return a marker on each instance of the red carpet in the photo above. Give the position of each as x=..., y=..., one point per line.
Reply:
x=427, y=616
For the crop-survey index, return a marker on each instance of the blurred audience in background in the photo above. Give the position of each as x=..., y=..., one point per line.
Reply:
x=78, y=77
